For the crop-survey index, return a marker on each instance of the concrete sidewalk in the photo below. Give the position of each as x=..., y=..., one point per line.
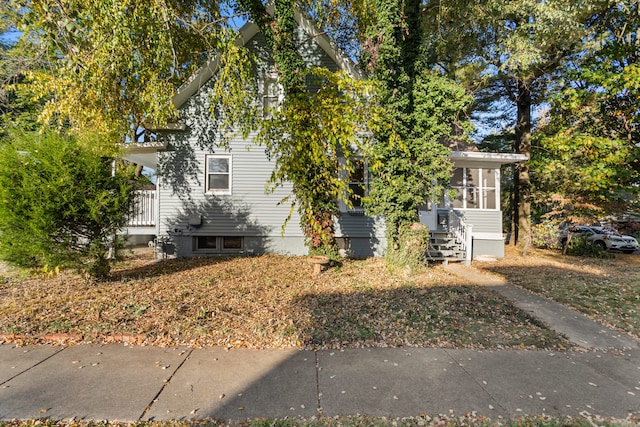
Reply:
x=120, y=383
x=115, y=382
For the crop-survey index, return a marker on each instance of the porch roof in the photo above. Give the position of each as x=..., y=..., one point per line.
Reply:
x=481, y=159
x=144, y=153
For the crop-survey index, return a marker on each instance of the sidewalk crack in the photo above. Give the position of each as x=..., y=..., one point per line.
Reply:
x=481, y=385
x=33, y=366
x=318, y=393
x=164, y=385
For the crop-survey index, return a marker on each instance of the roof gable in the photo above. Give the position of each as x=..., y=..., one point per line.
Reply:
x=246, y=34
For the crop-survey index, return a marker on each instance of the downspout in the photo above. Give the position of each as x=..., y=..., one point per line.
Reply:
x=157, y=206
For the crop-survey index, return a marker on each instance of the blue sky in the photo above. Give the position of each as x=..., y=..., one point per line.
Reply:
x=10, y=36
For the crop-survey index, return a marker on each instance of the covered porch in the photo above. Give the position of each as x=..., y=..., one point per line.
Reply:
x=145, y=220
x=468, y=224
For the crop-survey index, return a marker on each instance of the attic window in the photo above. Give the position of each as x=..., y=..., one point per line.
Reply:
x=271, y=94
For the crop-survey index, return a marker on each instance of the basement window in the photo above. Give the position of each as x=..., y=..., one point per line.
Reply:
x=218, y=244
x=232, y=242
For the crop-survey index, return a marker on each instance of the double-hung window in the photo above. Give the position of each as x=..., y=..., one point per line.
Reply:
x=271, y=96
x=358, y=184
x=218, y=173
x=357, y=180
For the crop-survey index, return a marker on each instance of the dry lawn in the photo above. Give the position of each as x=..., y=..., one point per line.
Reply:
x=607, y=290
x=264, y=302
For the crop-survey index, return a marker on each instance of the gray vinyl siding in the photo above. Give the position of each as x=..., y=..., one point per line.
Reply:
x=483, y=221
x=361, y=236
x=250, y=211
x=487, y=231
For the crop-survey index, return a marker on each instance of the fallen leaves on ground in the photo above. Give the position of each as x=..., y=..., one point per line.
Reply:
x=607, y=290
x=471, y=419
x=265, y=302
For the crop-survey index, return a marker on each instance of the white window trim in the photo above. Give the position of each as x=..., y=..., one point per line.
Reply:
x=480, y=188
x=227, y=191
x=272, y=93
x=342, y=206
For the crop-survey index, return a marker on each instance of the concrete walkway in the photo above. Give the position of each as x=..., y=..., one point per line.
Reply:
x=578, y=328
x=120, y=383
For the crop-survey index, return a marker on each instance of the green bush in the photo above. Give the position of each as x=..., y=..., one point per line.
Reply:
x=60, y=206
x=411, y=248
x=581, y=246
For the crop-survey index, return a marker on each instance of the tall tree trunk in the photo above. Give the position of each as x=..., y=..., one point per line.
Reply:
x=522, y=182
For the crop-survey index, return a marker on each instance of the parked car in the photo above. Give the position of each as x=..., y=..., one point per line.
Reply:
x=606, y=239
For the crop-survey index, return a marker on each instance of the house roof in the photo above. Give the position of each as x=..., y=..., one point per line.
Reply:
x=480, y=159
x=245, y=34
x=144, y=153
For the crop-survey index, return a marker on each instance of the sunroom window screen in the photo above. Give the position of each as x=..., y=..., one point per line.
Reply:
x=475, y=188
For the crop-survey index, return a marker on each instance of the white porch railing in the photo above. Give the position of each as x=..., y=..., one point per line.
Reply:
x=462, y=233
x=144, y=213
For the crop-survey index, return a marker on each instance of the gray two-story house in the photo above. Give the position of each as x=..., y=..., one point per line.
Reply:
x=211, y=198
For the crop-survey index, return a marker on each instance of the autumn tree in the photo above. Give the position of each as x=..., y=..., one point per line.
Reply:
x=17, y=58
x=113, y=65
x=586, y=157
x=510, y=51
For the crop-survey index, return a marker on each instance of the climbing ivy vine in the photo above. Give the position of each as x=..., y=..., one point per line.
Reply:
x=420, y=112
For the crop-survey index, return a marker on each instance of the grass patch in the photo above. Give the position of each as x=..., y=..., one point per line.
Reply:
x=267, y=302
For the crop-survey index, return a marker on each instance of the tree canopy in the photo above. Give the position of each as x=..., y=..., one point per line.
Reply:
x=511, y=51
x=587, y=156
x=114, y=65
x=111, y=67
